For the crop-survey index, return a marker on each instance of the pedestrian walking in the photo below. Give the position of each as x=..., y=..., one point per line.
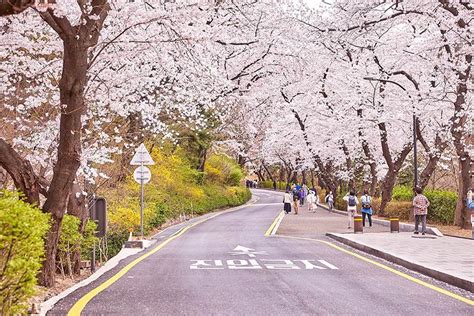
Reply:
x=366, y=202
x=470, y=202
x=296, y=198
x=329, y=199
x=302, y=196
x=352, y=203
x=287, y=202
x=312, y=200
x=420, y=209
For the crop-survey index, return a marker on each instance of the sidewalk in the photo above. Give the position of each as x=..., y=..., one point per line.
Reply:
x=448, y=259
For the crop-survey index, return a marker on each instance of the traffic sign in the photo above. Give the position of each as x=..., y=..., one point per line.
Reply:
x=142, y=157
x=142, y=175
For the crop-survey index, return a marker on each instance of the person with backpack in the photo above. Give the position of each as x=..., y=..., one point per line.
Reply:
x=420, y=209
x=287, y=202
x=329, y=199
x=352, y=203
x=366, y=202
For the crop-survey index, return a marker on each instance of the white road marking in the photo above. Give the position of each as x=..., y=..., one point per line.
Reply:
x=241, y=250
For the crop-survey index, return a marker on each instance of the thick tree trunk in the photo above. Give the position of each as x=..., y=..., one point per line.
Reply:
x=459, y=120
x=71, y=86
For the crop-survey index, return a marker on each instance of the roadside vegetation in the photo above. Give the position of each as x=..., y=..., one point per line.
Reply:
x=177, y=191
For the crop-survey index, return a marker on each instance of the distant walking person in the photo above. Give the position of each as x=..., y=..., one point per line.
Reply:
x=420, y=209
x=329, y=199
x=287, y=202
x=296, y=198
x=312, y=200
x=352, y=202
x=366, y=202
x=303, y=194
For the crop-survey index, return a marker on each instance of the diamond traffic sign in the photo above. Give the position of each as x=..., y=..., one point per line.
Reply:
x=142, y=157
x=142, y=173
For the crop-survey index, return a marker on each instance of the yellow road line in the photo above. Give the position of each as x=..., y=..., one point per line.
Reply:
x=77, y=308
x=275, y=221
x=380, y=265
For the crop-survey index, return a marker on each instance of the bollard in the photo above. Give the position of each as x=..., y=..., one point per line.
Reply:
x=358, y=224
x=394, y=225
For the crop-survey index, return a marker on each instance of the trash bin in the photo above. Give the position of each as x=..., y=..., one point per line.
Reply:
x=358, y=224
x=394, y=225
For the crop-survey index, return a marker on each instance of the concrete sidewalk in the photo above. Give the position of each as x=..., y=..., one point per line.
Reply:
x=448, y=259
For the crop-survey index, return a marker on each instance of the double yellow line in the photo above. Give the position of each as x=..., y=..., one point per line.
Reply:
x=275, y=222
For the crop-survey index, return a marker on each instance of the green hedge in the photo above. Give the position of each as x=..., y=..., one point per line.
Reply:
x=22, y=229
x=281, y=185
x=442, y=206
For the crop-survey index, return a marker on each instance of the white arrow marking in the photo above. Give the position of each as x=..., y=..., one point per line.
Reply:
x=241, y=250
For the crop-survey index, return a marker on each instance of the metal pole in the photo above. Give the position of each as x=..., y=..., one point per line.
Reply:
x=141, y=206
x=93, y=259
x=415, y=160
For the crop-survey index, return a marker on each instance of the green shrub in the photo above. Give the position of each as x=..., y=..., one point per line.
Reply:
x=22, y=229
x=71, y=241
x=402, y=193
x=281, y=185
x=442, y=206
x=400, y=209
x=223, y=169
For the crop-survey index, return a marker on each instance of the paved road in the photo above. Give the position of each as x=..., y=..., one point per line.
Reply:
x=279, y=276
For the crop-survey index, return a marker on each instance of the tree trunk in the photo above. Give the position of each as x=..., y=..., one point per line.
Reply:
x=21, y=171
x=202, y=158
x=71, y=87
x=393, y=166
x=373, y=168
x=77, y=206
x=303, y=177
x=268, y=172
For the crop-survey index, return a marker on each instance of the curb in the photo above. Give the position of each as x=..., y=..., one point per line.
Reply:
x=404, y=227
x=450, y=279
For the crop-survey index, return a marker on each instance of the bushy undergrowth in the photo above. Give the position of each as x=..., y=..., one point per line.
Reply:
x=71, y=241
x=281, y=185
x=22, y=229
x=175, y=188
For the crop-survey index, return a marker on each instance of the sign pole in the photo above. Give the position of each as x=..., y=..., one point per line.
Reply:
x=142, y=175
x=141, y=204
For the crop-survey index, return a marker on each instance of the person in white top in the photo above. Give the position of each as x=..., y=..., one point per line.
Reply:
x=312, y=200
x=287, y=202
x=352, y=203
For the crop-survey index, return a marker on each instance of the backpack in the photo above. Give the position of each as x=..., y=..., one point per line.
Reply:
x=351, y=201
x=296, y=196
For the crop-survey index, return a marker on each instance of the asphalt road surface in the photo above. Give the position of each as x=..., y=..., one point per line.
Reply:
x=226, y=266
